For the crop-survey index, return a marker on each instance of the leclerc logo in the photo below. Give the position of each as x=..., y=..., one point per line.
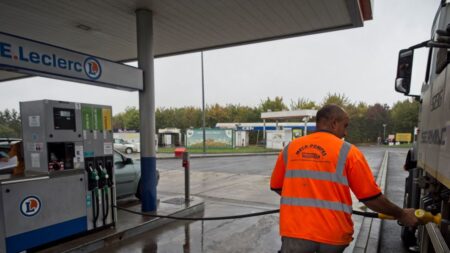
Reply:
x=92, y=68
x=30, y=206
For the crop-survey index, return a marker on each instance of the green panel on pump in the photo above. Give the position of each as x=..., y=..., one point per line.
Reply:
x=86, y=113
x=98, y=119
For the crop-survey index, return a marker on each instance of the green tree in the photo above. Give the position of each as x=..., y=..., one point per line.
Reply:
x=10, y=124
x=302, y=103
x=404, y=116
x=357, y=126
x=273, y=105
x=336, y=98
x=131, y=118
x=182, y=118
x=376, y=116
x=118, y=122
x=216, y=113
x=240, y=113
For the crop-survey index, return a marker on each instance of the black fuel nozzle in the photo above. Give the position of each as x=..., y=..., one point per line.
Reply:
x=109, y=168
x=93, y=178
x=103, y=175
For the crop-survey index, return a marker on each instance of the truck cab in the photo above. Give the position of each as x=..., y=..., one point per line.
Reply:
x=429, y=187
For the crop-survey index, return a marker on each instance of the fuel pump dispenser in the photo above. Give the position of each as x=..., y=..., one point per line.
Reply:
x=68, y=187
x=98, y=153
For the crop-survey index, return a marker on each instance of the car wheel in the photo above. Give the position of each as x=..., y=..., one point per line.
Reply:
x=128, y=151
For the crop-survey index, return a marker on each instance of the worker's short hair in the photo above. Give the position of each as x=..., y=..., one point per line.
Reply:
x=330, y=112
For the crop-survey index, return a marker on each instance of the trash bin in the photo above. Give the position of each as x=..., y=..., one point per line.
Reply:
x=179, y=152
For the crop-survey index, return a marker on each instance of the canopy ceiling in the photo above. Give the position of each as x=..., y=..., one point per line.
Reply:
x=107, y=28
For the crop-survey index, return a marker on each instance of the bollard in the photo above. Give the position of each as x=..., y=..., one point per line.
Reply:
x=186, y=165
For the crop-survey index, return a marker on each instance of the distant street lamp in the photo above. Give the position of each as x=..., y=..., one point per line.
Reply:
x=203, y=108
x=384, y=132
x=305, y=129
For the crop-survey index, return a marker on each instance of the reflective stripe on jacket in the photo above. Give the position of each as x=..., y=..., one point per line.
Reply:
x=315, y=174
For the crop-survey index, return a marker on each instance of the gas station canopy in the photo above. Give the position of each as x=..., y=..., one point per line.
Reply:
x=288, y=114
x=107, y=28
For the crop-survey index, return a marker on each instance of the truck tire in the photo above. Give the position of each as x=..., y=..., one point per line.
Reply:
x=408, y=234
x=408, y=237
x=128, y=150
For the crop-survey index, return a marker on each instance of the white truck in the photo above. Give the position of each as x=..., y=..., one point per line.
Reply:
x=428, y=185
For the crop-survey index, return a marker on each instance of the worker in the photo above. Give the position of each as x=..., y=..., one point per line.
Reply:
x=314, y=175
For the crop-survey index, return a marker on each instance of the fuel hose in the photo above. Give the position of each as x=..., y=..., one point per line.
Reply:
x=200, y=218
x=365, y=214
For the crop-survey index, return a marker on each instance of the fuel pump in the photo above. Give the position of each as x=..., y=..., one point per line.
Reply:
x=97, y=139
x=68, y=155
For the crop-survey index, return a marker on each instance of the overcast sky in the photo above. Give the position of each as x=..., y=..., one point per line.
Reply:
x=360, y=63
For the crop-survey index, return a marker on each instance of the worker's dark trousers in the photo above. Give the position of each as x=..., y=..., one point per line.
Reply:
x=295, y=245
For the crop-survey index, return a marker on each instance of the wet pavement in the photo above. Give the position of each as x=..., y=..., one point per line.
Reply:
x=254, y=234
x=229, y=186
x=390, y=230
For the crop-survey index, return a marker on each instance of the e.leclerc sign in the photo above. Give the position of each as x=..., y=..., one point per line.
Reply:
x=36, y=58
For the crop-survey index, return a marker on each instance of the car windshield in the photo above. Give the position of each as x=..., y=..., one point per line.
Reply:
x=120, y=141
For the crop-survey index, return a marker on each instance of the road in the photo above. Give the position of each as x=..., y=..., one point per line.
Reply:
x=252, y=165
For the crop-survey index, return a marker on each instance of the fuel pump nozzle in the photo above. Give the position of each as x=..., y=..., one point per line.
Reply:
x=427, y=217
x=104, y=178
x=423, y=216
x=93, y=179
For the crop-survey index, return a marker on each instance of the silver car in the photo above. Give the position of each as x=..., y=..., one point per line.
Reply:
x=128, y=175
x=126, y=147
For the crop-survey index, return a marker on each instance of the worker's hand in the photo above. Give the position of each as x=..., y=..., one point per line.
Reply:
x=408, y=218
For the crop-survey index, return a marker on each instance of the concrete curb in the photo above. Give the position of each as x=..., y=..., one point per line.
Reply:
x=369, y=234
x=194, y=156
x=92, y=242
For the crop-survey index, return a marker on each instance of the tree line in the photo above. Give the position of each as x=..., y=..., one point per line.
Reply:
x=366, y=121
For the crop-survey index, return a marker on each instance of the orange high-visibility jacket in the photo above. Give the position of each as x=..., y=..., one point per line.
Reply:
x=315, y=174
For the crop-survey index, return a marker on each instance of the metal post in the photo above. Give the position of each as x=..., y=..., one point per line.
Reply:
x=264, y=131
x=144, y=28
x=305, y=120
x=186, y=165
x=203, y=108
x=384, y=132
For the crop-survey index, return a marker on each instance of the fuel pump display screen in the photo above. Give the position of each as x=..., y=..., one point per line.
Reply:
x=64, y=119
